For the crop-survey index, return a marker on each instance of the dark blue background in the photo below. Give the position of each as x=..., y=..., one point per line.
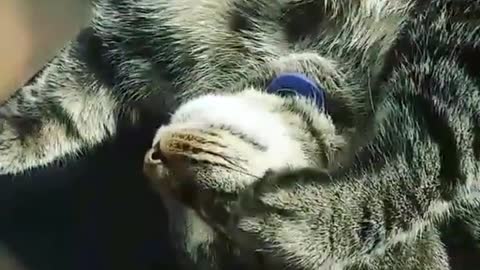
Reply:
x=96, y=212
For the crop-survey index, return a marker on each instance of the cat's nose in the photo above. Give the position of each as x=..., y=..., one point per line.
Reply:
x=163, y=155
x=155, y=156
x=158, y=161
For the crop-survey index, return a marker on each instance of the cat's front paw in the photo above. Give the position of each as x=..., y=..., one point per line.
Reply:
x=280, y=210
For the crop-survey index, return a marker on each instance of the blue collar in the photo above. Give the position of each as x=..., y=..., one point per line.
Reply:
x=299, y=85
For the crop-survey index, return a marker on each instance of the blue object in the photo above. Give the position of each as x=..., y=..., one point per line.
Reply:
x=299, y=85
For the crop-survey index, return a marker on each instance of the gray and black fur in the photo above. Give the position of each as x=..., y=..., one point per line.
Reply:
x=402, y=88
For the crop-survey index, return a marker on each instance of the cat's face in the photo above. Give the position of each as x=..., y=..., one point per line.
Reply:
x=215, y=146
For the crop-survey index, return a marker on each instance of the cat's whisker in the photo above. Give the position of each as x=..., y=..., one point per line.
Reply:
x=239, y=169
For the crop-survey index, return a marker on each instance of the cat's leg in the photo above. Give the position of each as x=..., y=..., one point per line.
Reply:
x=313, y=222
x=426, y=252
x=61, y=112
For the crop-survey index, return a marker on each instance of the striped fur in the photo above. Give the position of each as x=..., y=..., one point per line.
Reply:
x=396, y=73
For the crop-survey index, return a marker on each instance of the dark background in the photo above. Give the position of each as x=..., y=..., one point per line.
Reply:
x=93, y=213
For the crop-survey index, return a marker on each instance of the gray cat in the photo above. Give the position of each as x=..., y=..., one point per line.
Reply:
x=394, y=149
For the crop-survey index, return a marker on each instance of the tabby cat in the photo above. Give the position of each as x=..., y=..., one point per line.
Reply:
x=394, y=150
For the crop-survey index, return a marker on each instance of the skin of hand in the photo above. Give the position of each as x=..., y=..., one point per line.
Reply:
x=31, y=33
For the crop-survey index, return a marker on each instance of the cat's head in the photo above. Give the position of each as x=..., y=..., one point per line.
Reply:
x=217, y=145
